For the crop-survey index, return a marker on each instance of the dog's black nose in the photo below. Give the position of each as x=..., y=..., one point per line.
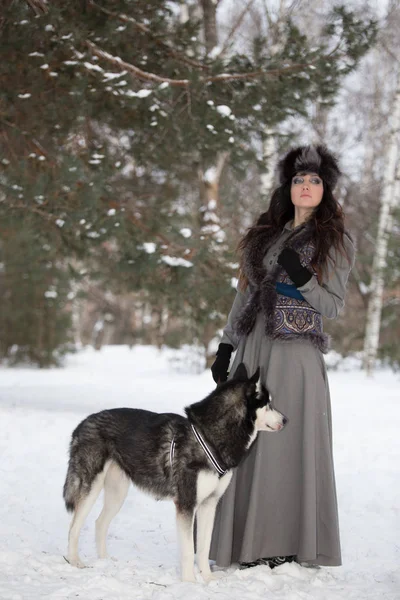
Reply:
x=284, y=420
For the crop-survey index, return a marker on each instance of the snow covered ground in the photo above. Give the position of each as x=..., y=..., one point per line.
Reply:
x=40, y=408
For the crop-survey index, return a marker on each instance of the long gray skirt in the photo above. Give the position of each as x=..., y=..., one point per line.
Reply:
x=282, y=497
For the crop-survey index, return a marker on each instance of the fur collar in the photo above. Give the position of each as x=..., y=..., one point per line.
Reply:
x=257, y=248
x=263, y=295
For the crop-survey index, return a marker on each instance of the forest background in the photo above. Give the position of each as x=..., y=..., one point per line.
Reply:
x=138, y=141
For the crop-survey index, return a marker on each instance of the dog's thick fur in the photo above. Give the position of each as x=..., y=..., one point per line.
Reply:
x=113, y=447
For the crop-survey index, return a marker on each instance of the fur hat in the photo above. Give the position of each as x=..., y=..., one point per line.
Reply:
x=315, y=159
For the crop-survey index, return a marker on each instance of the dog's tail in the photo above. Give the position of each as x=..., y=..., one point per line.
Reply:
x=72, y=488
x=88, y=455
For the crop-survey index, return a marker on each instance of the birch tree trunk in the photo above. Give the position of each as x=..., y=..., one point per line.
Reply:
x=371, y=340
x=270, y=157
x=209, y=181
x=396, y=195
x=276, y=35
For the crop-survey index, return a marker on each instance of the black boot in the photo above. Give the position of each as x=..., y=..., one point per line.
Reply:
x=272, y=562
x=275, y=561
x=248, y=565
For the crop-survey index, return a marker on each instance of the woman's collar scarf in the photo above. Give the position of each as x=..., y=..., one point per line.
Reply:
x=263, y=295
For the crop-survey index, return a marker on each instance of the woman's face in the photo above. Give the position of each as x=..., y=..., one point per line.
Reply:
x=306, y=190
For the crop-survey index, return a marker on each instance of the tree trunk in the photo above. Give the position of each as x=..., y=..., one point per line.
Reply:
x=371, y=340
x=209, y=183
x=184, y=12
x=270, y=156
x=209, y=8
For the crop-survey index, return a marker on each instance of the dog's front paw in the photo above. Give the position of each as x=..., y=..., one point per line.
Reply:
x=207, y=577
x=189, y=577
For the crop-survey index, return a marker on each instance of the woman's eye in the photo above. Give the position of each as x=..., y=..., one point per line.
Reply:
x=313, y=180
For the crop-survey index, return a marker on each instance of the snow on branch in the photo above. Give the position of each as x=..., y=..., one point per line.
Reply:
x=117, y=61
x=166, y=242
x=144, y=29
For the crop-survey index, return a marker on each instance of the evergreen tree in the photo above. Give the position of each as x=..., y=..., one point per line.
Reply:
x=110, y=110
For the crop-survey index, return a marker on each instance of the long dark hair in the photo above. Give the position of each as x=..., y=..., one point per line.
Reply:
x=328, y=222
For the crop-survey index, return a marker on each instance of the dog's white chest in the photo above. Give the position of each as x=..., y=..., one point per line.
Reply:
x=209, y=484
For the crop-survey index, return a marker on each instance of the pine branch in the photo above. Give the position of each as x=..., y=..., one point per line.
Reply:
x=117, y=61
x=144, y=29
x=166, y=241
x=34, y=141
x=50, y=218
x=178, y=248
x=39, y=7
x=255, y=74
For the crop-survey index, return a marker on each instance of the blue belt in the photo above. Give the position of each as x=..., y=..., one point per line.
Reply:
x=288, y=290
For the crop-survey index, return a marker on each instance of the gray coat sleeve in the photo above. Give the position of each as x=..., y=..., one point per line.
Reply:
x=328, y=298
x=229, y=335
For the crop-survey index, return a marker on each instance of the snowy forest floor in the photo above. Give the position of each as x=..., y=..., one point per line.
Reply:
x=40, y=408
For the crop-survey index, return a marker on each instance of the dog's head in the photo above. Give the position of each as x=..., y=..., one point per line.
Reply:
x=240, y=406
x=259, y=405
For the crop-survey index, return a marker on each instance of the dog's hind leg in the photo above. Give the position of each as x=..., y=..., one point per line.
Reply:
x=82, y=510
x=116, y=485
x=184, y=521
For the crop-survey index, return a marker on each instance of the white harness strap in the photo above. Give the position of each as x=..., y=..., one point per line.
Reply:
x=172, y=451
x=208, y=453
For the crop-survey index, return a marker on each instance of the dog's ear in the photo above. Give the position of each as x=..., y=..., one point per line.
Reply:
x=254, y=378
x=241, y=372
x=265, y=394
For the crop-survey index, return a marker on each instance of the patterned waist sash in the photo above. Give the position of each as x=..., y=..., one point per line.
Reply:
x=286, y=289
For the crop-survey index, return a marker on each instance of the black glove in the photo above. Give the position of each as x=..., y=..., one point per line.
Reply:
x=290, y=261
x=219, y=368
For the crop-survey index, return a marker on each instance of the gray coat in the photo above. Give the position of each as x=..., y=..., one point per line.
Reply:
x=282, y=497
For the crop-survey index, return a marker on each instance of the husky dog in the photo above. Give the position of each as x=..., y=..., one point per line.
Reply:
x=188, y=460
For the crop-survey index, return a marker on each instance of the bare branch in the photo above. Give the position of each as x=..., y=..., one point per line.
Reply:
x=39, y=7
x=384, y=45
x=267, y=15
x=235, y=27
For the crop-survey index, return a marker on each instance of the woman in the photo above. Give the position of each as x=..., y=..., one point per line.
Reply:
x=281, y=504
